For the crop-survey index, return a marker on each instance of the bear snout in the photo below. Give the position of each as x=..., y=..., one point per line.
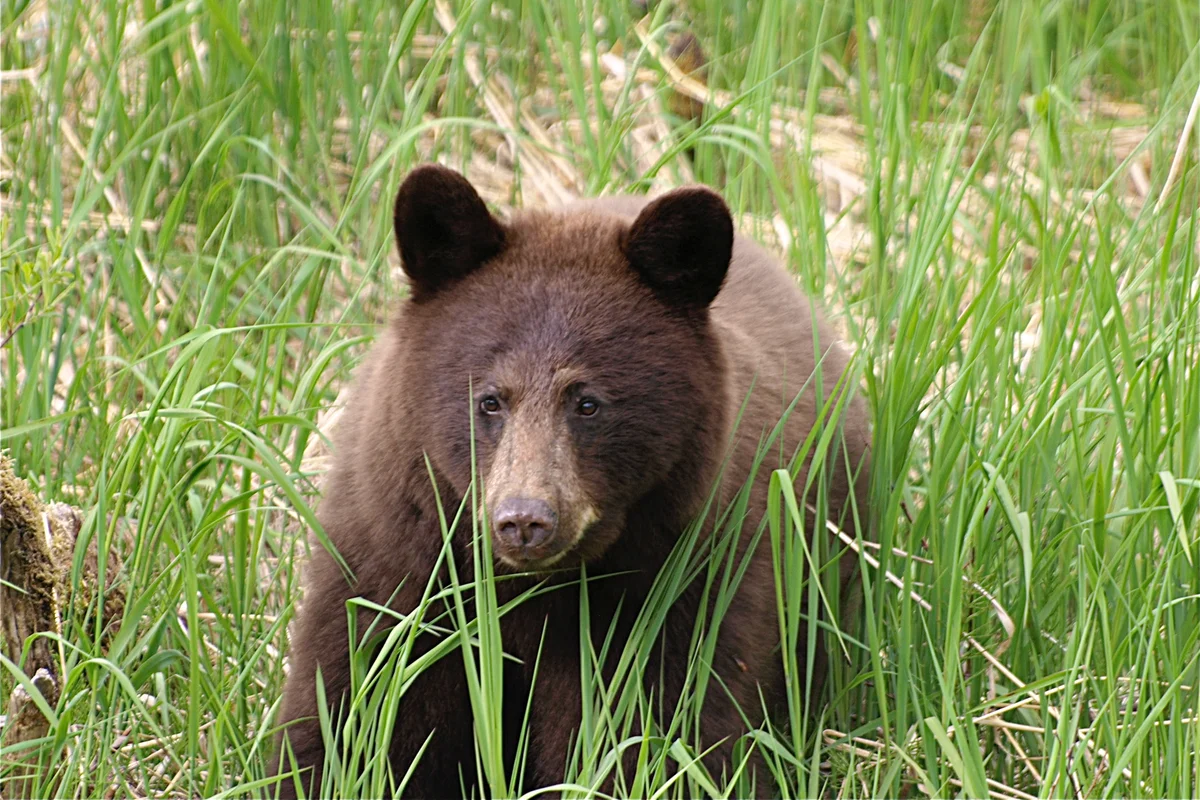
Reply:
x=525, y=524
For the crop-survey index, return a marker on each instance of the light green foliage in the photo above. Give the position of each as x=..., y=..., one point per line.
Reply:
x=197, y=248
x=31, y=286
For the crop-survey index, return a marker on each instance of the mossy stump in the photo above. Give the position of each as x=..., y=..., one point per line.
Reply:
x=37, y=547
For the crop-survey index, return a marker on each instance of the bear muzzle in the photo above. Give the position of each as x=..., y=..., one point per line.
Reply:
x=525, y=525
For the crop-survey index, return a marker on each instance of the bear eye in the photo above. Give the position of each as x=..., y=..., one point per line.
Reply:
x=490, y=405
x=588, y=407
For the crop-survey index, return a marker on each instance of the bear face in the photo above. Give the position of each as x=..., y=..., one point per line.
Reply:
x=580, y=358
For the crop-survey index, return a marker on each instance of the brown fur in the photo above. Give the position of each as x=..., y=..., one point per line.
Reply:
x=596, y=296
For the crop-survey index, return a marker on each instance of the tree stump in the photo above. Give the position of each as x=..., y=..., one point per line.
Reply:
x=37, y=546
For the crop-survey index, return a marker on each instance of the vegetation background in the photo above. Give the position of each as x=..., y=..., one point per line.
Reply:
x=997, y=199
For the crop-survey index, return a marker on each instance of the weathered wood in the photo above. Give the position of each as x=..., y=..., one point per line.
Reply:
x=37, y=546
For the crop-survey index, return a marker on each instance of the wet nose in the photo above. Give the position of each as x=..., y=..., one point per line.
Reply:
x=524, y=521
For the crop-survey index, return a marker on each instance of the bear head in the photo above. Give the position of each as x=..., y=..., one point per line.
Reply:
x=568, y=355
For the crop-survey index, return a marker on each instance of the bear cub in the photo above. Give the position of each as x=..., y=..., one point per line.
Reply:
x=618, y=362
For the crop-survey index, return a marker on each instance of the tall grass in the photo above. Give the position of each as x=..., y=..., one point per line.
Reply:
x=197, y=248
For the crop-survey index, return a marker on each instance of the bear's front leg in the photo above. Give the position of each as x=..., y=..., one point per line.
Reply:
x=556, y=718
x=319, y=640
x=555, y=714
x=436, y=703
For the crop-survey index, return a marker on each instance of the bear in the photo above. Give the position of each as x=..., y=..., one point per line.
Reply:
x=601, y=367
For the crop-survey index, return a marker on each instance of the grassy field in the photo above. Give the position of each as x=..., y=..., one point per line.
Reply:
x=998, y=201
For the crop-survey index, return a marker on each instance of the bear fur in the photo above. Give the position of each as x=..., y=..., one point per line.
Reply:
x=604, y=351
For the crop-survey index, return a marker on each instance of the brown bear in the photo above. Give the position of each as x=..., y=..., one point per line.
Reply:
x=600, y=356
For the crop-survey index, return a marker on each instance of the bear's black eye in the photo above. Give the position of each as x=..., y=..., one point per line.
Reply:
x=490, y=405
x=588, y=407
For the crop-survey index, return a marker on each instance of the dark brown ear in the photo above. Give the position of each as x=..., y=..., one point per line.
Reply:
x=443, y=229
x=681, y=244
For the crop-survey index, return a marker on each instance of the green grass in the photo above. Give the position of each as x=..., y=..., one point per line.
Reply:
x=197, y=250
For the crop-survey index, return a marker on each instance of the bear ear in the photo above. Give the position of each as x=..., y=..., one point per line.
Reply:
x=681, y=245
x=443, y=229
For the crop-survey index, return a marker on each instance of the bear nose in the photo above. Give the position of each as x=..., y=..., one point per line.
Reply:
x=524, y=522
